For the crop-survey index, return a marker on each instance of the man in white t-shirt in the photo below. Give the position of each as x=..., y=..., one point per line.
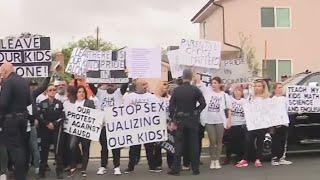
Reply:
x=61, y=90
x=141, y=96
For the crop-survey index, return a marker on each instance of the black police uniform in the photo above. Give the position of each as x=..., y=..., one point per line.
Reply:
x=185, y=112
x=51, y=112
x=14, y=99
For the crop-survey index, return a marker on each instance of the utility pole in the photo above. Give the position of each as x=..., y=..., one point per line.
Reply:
x=97, y=31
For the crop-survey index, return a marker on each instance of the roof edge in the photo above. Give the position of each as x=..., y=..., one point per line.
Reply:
x=202, y=10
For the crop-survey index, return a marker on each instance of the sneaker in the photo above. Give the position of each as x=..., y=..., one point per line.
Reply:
x=72, y=172
x=3, y=176
x=117, y=171
x=212, y=164
x=36, y=170
x=284, y=162
x=101, y=171
x=84, y=174
x=217, y=163
x=156, y=170
x=275, y=162
x=242, y=163
x=174, y=173
x=128, y=171
x=258, y=163
x=185, y=168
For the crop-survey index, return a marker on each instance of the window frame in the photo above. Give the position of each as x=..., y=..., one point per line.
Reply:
x=204, y=29
x=276, y=18
x=277, y=66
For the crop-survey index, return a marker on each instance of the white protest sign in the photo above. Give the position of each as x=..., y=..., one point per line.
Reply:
x=143, y=63
x=231, y=71
x=31, y=57
x=264, y=113
x=136, y=124
x=77, y=64
x=83, y=122
x=202, y=53
x=303, y=99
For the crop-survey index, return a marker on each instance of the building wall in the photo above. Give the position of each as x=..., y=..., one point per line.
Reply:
x=300, y=43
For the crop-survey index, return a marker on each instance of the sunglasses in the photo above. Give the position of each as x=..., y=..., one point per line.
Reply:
x=52, y=90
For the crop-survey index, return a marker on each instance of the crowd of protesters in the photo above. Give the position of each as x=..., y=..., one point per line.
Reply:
x=29, y=112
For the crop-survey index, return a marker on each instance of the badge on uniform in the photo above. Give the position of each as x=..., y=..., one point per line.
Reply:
x=56, y=106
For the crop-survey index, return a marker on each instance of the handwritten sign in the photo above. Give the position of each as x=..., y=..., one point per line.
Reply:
x=77, y=64
x=200, y=53
x=31, y=57
x=83, y=122
x=303, y=99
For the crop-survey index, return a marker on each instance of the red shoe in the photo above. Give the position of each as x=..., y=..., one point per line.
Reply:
x=242, y=163
x=258, y=163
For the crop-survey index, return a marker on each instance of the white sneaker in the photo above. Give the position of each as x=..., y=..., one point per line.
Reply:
x=3, y=177
x=117, y=171
x=284, y=162
x=101, y=171
x=275, y=163
x=217, y=163
x=213, y=164
x=36, y=170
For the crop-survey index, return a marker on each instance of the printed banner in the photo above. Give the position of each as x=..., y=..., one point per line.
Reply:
x=136, y=124
x=258, y=114
x=144, y=63
x=231, y=71
x=83, y=122
x=168, y=145
x=303, y=99
x=106, y=67
x=202, y=53
x=31, y=57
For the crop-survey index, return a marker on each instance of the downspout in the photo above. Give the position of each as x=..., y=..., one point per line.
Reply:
x=224, y=29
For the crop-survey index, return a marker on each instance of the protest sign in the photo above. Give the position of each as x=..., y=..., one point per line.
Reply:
x=258, y=114
x=106, y=67
x=177, y=69
x=231, y=71
x=168, y=145
x=143, y=63
x=202, y=53
x=31, y=57
x=303, y=99
x=136, y=124
x=77, y=64
x=83, y=122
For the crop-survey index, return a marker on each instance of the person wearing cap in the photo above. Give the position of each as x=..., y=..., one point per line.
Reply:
x=185, y=112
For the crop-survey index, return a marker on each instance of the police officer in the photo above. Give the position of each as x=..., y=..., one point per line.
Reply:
x=14, y=99
x=185, y=113
x=50, y=117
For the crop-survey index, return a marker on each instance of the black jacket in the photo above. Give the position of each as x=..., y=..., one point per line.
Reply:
x=50, y=112
x=184, y=101
x=14, y=95
x=89, y=103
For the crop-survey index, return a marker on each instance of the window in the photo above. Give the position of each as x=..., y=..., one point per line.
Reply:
x=275, y=17
x=274, y=69
x=313, y=79
x=204, y=28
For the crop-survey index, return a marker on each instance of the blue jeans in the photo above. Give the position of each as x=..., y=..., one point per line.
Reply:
x=33, y=145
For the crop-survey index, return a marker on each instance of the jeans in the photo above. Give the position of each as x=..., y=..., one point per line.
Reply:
x=33, y=145
x=85, y=146
x=105, y=153
x=215, y=133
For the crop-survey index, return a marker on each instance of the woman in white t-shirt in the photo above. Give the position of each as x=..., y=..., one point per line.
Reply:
x=280, y=133
x=214, y=117
x=235, y=136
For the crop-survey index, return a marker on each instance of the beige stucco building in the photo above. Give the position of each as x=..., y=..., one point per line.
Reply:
x=283, y=32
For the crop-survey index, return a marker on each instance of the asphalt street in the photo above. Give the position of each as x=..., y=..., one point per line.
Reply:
x=305, y=167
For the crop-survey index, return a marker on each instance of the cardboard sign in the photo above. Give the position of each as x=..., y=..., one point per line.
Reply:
x=136, y=124
x=106, y=67
x=303, y=99
x=144, y=63
x=232, y=71
x=83, y=122
x=31, y=57
x=202, y=53
x=264, y=114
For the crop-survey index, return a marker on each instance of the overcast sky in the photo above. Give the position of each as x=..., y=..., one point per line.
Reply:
x=136, y=23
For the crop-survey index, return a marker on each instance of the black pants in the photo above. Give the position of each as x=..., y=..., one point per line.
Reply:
x=187, y=138
x=235, y=141
x=14, y=130
x=186, y=158
x=252, y=137
x=134, y=153
x=49, y=137
x=85, y=145
x=279, y=138
x=104, y=151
